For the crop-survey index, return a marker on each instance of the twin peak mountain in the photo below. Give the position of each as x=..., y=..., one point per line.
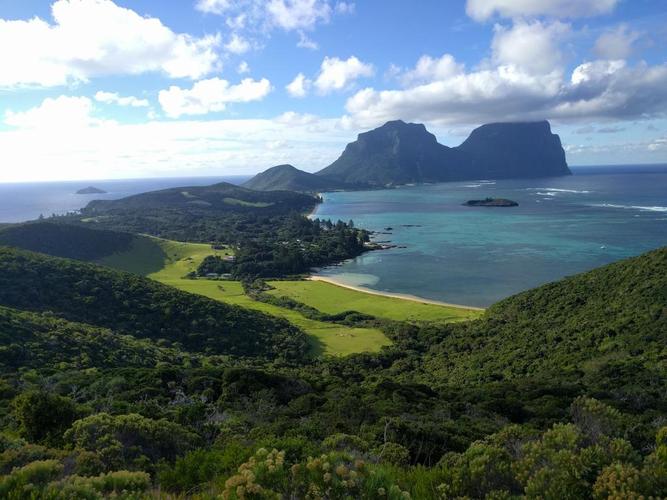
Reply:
x=404, y=153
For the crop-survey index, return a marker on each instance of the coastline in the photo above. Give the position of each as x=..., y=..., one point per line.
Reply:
x=403, y=296
x=317, y=205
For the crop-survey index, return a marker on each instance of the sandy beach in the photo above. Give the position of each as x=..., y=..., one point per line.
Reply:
x=403, y=296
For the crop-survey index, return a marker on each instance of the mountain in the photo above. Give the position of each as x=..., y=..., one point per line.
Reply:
x=396, y=153
x=509, y=150
x=401, y=153
x=289, y=178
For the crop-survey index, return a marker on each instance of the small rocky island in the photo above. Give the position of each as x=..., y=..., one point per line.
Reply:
x=91, y=190
x=491, y=202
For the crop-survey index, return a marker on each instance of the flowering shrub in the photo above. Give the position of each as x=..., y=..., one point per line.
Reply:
x=329, y=476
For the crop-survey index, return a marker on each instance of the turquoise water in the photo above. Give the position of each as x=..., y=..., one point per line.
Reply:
x=477, y=256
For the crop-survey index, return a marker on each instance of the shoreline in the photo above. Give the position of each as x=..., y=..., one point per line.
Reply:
x=403, y=296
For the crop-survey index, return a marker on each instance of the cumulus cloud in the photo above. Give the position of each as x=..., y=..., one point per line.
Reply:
x=97, y=37
x=213, y=6
x=533, y=46
x=237, y=44
x=482, y=10
x=212, y=95
x=299, y=86
x=338, y=74
x=595, y=90
x=616, y=43
x=429, y=69
x=63, y=112
x=243, y=68
x=298, y=14
x=115, y=98
x=258, y=18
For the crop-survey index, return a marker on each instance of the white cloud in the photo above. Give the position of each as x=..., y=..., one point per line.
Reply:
x=338, y=74
x=212, y=95
x=429, y=69
x=595, y=90
x=213, y=6
x=237, y=44
x=299, y=86
x=89, y=38
x=243, y=68
x=305, y=42
x=616, y=43
x=345, y=7
x=114, y=98
x=298, y=14
x=168, y=148
x=63, y=112
x=532, y=46
x=294, y=118
x=482, y=10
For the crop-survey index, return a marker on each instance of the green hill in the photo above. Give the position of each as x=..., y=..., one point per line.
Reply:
x=40, y=340
x=289, y=178
x=65, y=240
x=141, y=307
x=609, y=323
x=222, y=197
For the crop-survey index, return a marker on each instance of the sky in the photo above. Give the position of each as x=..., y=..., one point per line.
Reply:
x=103, y=89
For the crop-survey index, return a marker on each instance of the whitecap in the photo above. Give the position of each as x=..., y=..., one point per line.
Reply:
x=632, y=207
x=558, y=190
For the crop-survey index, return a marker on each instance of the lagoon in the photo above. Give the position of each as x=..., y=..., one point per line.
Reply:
x=479, y=255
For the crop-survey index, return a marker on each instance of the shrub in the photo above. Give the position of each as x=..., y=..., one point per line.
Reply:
x=43, y=417
x=29, y=480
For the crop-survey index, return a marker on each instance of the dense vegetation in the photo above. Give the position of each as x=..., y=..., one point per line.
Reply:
x=65, y=240
x=555, y=393
x=138, y=306
x=270, y=234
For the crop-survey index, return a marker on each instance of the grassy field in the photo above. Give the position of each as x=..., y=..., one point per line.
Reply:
x=169, y=261
x=326, y=338
x=332, y=299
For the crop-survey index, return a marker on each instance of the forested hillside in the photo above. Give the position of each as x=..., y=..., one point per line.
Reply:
x=138, y=306
x=556, y=393
x=65, y=240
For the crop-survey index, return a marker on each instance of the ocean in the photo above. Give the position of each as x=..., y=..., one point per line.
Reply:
x=445, y=251
x=477, y=256
x=20, y=202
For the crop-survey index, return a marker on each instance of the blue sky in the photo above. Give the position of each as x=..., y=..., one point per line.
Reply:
x=135, y=88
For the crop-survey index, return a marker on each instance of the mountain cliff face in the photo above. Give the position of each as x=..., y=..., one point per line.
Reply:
x=400, y=153
x=507, y=150
x=289, y=178
x=396, y=153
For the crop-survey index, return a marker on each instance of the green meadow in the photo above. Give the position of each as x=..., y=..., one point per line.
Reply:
x=333, y=299
x=169, y=261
